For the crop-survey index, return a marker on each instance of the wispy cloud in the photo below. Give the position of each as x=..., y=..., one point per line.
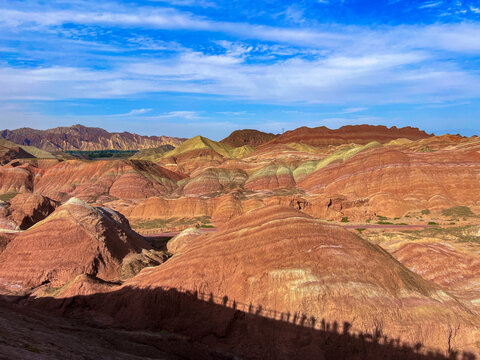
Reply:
x=430, y=4
x=135, y=112
x=189, y=115
x=354, y=110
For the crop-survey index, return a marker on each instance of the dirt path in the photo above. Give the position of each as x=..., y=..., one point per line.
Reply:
x=377, y=226
x=175, y=233
x=348, y=227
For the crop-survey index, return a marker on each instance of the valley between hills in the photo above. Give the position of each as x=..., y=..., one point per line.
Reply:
x=356, y=243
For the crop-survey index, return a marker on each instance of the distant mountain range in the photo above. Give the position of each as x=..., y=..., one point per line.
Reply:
x=84, y=138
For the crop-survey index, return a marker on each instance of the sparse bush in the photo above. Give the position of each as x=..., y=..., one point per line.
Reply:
x=432, y=223
x=425, y=212
x=426, y=149
x=7, y=197
x=458, y=212
x=32, y=349
x=380, y=217
x=344, y=219
x=385, y=223
x=360, y=230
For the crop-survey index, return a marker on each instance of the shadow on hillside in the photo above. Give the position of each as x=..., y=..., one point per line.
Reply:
x=244, y=330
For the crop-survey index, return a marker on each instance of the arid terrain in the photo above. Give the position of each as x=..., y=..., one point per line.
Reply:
x=356, y=243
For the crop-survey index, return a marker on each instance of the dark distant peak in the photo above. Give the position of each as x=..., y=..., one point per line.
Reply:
x=80, y=137
x=248, y=137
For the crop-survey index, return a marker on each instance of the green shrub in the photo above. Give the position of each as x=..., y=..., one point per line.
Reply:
x=7, y=197
x=360, y=230
x=380, y=217
x=344, y=219
x=458, y=212
x=425, y=212
x=385, y=223
x=432, y=223
x=32, y=349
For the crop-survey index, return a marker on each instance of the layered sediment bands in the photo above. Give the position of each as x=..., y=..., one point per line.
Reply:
x=289, y=154
x=27, y=209
x=213, y=181
x=421, y=179
x=8, y=154
x=247, y=137
x=79, y=137
x=449, y=257
x=158, y=208
x=15, y=179
x=153, y=154
x=75, y=239
x=451, y=265
x=192, y=160
x=271, y=177
x=181, y=241
x=359, y=134
x=219, y=209
x=119, y=178
x=279, y=258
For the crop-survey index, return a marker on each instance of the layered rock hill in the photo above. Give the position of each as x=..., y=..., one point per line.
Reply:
x=79, y=137
x=200, y=152
x=397, y=180
x=358, y=134
x=27, y=209
x=250, y=137
x=280, y=263
x=10, y=151
x=75, y=239
x=449, y=257
x=353, y=180
x=124, y=179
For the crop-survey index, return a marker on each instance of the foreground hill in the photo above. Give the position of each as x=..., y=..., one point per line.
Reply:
x=75, y=239
x=278, y=263
x=79, y=137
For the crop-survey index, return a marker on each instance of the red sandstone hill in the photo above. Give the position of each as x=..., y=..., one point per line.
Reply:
x=125, y=179
x=277, y=258
x=248, y=137
x=358, y=134
x=9, y=153
x=392, y=180
x=79, y=137
x=76, y=239
x=27, y=209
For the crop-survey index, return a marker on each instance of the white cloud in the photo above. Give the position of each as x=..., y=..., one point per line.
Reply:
x=431, y=4
x=476, y=10
x=189, y=115
x=354, y=110
x=328, y=64
x=136, y=112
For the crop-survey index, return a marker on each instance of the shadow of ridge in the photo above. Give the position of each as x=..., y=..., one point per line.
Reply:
x=245, y=330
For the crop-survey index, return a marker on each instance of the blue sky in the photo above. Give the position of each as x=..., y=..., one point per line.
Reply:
x=188, y=67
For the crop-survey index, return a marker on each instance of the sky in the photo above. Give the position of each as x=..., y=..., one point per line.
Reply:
x=189, y=67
